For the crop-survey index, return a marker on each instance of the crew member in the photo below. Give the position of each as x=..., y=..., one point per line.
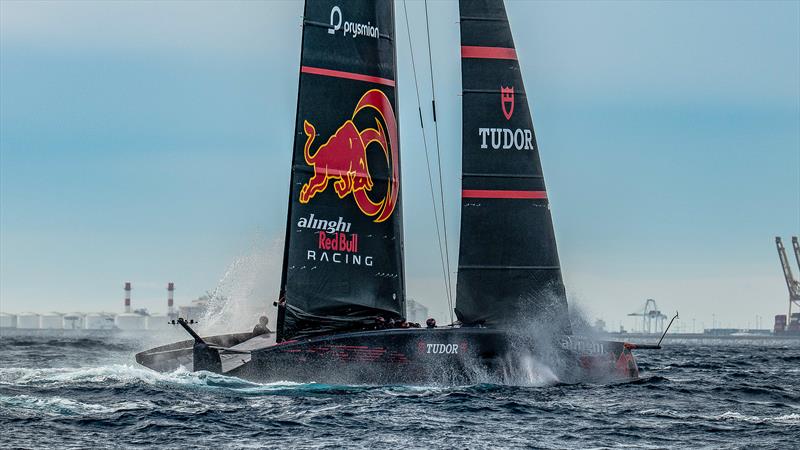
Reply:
x=431, y=323
x=261, y=327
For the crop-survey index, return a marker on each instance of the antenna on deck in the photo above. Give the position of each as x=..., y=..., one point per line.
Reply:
x=650, y=346
x=665, y=331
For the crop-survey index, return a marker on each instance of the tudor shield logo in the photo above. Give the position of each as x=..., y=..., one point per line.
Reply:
x=498, y=138
x=507, y=101
x=343, y=158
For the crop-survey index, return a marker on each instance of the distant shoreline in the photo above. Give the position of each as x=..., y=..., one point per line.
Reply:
x=699, y=336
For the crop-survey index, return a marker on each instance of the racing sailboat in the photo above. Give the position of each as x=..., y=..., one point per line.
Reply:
x=343, y=281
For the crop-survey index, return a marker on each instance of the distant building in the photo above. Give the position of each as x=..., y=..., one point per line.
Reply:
x=158, y=322
x=99, y=321
x=720, y=331
x=8, y=320
x=51, y=321
x=28, y=320
x=130, y=321
x=416, y=312
x=195, y=310
x=600, y=326
x=73, y=321
x=137, y=320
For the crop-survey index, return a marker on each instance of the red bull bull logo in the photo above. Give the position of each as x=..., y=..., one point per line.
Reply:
x=343, y=158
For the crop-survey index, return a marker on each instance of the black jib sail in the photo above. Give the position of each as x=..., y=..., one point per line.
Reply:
x=343, y=257
x=508, y=268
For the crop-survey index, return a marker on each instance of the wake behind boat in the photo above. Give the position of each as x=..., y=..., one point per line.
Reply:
x=343, y=279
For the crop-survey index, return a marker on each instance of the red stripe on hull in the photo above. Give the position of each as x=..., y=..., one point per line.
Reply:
x=488, y=52
x=478, y=193
x=347, y=75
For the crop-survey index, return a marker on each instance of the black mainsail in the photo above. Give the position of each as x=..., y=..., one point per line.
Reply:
x=343, y=256
x=508, y=268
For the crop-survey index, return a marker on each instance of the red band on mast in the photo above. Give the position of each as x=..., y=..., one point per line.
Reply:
x=347, y=75
x=468, y=51
x=482, y=193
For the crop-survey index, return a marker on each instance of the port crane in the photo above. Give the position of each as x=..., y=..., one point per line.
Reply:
x=792, y=284
x=652, y=318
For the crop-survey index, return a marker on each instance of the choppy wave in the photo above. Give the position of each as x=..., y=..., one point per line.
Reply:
x=731, y=416
x=689, y=396
x=31, y=344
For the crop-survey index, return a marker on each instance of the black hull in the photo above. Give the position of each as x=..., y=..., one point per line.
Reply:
x=423, y=356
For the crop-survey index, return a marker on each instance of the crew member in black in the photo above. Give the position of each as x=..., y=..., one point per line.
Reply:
x=431, y=323
x=261, y=327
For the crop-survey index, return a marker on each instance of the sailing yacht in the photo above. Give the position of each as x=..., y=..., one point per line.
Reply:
x=343, y=279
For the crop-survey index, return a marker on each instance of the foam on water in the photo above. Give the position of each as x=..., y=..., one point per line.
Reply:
x=691, y=395
x=52, y=405
x=122, y=375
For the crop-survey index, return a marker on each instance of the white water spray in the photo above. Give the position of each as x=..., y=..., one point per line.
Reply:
x=245, y=291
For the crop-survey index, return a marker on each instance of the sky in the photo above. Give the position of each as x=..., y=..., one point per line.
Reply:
x=151, y=141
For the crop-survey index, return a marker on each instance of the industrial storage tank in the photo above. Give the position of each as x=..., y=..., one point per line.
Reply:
x=99, y=321
x=8, y=320
x=51, y=321
x=158, y=322
x=780, y=324
x=130, y=321
x=794, y=324
x=73, y=321
x=195, y=310
x=28, y=321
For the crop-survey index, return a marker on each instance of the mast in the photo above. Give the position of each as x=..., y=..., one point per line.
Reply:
x=280, y=322
x=343, y=253
x=508, y=269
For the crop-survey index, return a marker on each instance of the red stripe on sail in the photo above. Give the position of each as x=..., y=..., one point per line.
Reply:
x=480, y=193
x=347, y=75
x=468, y=51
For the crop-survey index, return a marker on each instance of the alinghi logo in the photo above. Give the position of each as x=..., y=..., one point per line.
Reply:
x=351, y=28
x=329, y=226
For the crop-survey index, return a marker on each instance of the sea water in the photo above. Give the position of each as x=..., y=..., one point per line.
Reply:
x=83, y=389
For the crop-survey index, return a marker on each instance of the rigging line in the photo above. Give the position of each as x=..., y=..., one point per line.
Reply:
x=438, y=156
x=428, y=162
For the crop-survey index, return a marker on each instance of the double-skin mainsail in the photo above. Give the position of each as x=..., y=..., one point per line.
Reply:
x=343, y=256
x=508, y=268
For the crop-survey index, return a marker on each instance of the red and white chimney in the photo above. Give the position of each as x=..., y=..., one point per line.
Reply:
x=170, y=298
x=127, y=297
